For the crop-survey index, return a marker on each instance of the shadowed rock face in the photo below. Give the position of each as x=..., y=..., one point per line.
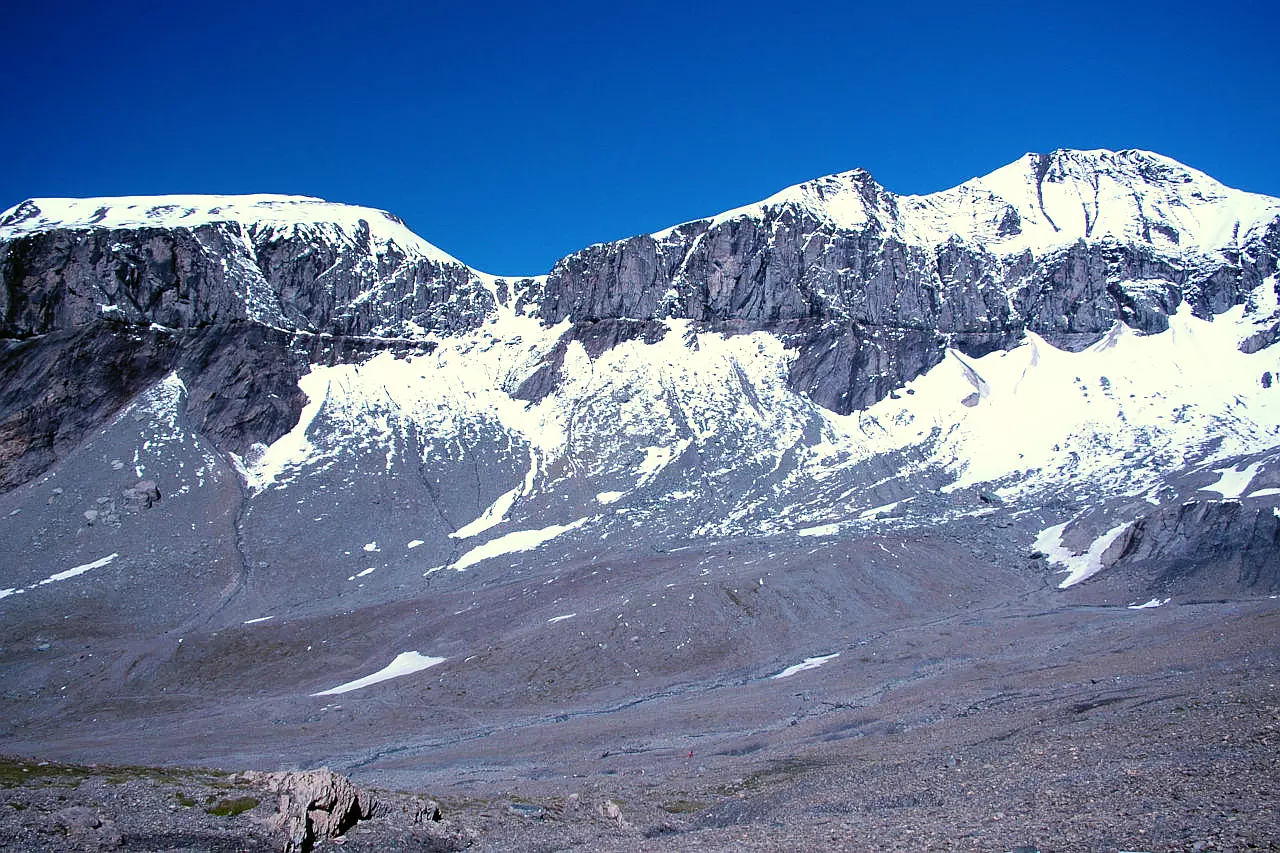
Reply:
x=56, y=388
x=59, y=279
x=221, y=273
x=243, y=377
x=1207, y=545
x=327, y=287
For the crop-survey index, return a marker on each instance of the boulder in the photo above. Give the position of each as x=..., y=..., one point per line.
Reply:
x=145, y=493
x=85, y=830
x=314, y=805
x=612, y=813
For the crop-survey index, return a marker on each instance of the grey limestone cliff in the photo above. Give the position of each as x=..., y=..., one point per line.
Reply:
x=1208, y=546
x=870, y=310
x=224, y=273
x=868, y=288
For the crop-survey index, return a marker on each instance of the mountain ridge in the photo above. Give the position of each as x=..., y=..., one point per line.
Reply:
x=754, y=488
x=866, y=306
x=183, y=210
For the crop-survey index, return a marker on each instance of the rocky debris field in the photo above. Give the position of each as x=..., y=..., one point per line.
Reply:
x=1185, y=764
x=1016, y=717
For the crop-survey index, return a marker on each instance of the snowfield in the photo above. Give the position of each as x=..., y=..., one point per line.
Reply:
x=405, y=663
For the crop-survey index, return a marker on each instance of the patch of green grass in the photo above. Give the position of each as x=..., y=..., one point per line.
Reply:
x=683, y=806
x=184, y=800
x=233, y=807
x=15, y=773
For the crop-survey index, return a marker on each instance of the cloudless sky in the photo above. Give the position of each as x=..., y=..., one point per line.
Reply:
x=510, y=134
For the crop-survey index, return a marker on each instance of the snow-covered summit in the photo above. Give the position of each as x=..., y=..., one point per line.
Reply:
x=1042, y=201
x=281, y=215
x=1039, y=202
x=1059, y=198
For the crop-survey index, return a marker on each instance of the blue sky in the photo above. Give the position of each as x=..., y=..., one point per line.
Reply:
x=510, y=134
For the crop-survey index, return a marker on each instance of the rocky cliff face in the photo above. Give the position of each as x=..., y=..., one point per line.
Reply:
x=320, y=277
x=868, y=288
x=1209, y=546
x=885, y=287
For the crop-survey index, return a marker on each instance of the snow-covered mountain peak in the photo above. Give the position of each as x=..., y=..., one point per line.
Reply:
x=1133, y=166
x=847, y=200
x=1041, y=202
x=279, y=214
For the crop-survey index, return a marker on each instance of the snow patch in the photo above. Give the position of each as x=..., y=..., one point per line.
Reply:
x=819, y=530
x=878, y=510
x=78, y=570
x=294, y=449
x=658, y=457
x=807, y=663
x=515, y=541
x=1233, y=481
x=405, y=663
x=1079, y=567
x=491, y=517
x=1263, y=493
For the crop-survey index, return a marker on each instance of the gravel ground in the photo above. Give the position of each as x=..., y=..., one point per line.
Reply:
x=965, y=711
x=1190, y=772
